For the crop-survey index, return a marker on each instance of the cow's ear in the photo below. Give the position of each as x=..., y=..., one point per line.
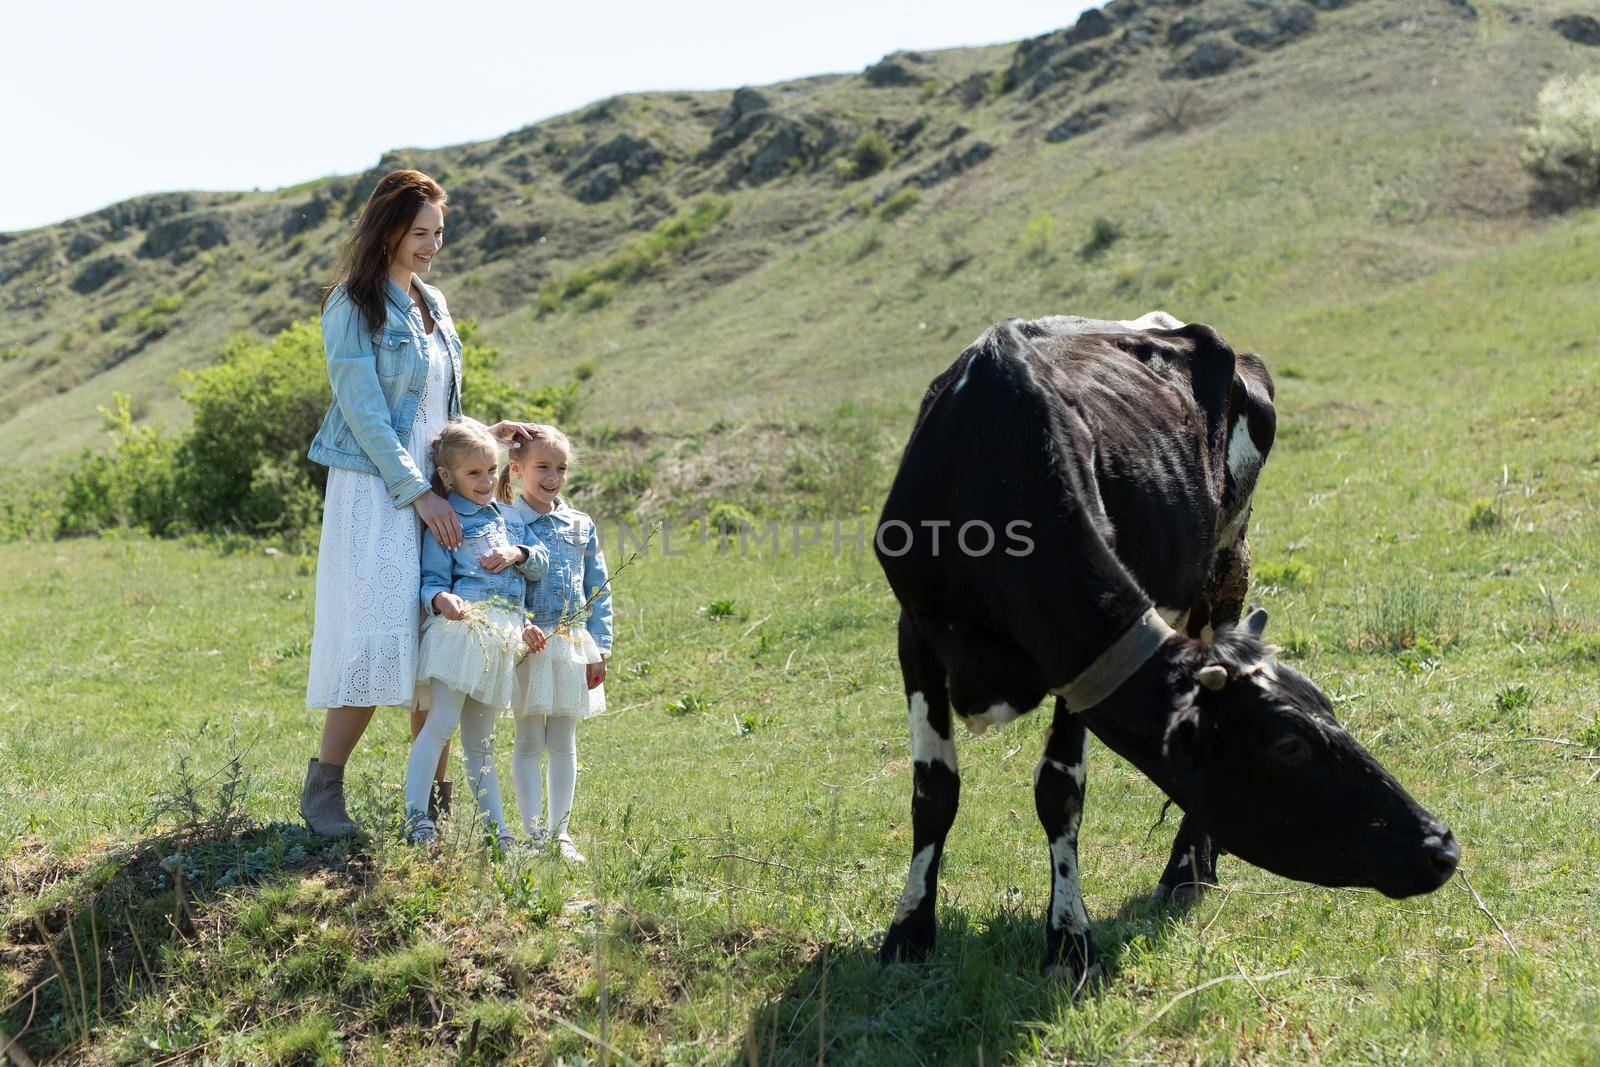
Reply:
x=1187, y=746
x=1256, y=621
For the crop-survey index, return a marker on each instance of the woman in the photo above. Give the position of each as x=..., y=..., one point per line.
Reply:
x=394, y=361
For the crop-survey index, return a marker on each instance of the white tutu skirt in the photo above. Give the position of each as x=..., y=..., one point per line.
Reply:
x=476, y=656
x=555, y=681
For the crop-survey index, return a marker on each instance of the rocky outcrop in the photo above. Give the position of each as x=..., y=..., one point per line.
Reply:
x=611, y=165
x=761, y=144
x=1579, y=29
x=97, y=272
x=181, y=238
x=897, y=68
x=950, y=164
x=1211, y=55
x=1081, y=122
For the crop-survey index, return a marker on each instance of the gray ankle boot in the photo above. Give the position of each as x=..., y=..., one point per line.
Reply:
x=322, y=801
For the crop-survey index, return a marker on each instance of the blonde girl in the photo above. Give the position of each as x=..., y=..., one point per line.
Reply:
x=564, y=682
x=473, y=595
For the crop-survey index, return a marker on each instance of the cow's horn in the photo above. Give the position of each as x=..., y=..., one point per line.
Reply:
x=1256, y=621
x=1213, y=677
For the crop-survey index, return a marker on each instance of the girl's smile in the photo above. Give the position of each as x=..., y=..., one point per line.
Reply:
x=541, y=467
x=473, y=477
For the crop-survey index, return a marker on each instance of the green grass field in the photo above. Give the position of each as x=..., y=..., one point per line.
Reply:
x=1424, y=537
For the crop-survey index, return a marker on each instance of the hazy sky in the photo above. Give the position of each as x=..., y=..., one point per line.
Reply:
x=111, y=100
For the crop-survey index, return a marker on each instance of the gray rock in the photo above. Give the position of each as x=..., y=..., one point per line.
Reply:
x=599, y=184
x=1080, y=122
x=633, y=156
x=950, y=164
x=181, y=238
x=1210, y=56
x=97, y=272
x=83, y=243
x=889, y=72
x=972, y=89
x=1579, y=29
x=1091, y=24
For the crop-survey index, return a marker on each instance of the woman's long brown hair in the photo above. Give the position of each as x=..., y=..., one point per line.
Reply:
x=364, y=262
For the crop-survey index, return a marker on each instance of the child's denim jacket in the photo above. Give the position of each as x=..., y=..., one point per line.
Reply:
x=576, y=571
x=483, y=526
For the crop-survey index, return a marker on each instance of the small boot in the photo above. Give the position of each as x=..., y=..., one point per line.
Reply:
x=322, y=801
x=439, y=800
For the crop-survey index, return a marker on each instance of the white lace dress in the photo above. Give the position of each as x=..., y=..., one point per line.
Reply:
x=369, y=571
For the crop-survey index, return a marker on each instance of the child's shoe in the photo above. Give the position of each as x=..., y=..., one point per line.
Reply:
x=569, y=851
x=423, y=832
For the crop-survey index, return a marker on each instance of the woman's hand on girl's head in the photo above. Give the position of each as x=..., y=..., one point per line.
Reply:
x=438, y=516
x=596, y=673
x=450, y=606
x=507, y=431
x=533, y=637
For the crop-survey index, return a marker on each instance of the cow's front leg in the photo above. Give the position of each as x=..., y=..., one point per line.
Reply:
x=1191, y=867
x=936, y=792
x=1058, y=792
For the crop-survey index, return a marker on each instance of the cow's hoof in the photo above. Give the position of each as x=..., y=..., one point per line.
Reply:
x=906, y=942
x=1072, y=959
x=1183, y=895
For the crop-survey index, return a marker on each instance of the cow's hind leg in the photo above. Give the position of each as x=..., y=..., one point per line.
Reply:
x=1058, y=792
x=1190, y=868
x=936, y=792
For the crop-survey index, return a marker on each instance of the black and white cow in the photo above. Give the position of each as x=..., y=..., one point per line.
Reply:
x=1072, y=490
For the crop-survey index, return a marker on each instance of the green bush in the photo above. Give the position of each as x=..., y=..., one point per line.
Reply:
x=131, y=485
x=1039, y=237
x=1103, y=233
x=1563, y=147
x=900, y=203
x=870, y=154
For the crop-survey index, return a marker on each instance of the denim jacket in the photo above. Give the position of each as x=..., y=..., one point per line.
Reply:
x=377, y=381
x=483, y=526
x=577, y=569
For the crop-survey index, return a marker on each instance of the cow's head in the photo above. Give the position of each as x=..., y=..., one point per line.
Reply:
x=1257, y=755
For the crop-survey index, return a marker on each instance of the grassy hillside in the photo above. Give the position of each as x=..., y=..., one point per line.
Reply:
x=1347, y=149
x=1424, y=539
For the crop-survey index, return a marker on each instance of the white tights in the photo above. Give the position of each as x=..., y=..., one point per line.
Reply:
x=476, y=720
x=535, y=734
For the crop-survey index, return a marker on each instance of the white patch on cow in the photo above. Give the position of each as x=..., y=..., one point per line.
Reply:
x=926, y=744
x=916, y=883
x=956, y=388
x=1173, y=617
x=1183, y=861
x=1243, y=455
x=1066, y=905
x=1152, y=320
x=996, y=714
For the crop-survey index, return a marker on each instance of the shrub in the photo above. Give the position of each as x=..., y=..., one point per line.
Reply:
x=131, y=485
x=1039, y=237
x=1484, y=516
x=1563, y=146
x=870, y=154
x=900, y=203
x=1103, y=233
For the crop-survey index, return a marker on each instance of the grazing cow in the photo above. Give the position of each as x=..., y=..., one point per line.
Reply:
x=1072, y=489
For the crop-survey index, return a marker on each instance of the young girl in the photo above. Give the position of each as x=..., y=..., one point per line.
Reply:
x=563, y=683
x=473, y=597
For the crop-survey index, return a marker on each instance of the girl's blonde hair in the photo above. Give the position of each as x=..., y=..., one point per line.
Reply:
x=461, y=438
x=519, y=449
